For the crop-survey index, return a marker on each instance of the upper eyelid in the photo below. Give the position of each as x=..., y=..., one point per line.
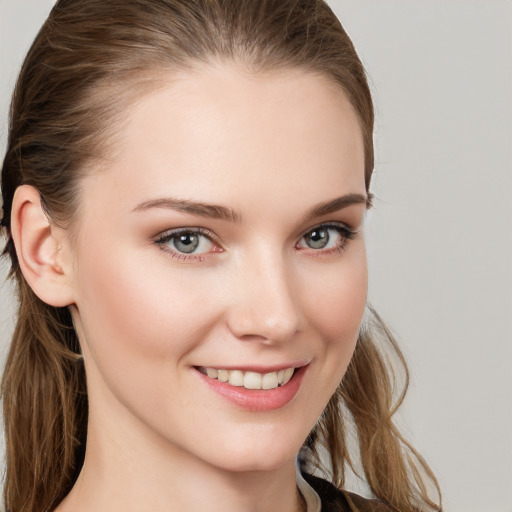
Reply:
x=168, y=233
x=335, y=224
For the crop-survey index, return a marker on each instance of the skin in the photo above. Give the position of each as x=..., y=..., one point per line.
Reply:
x=271, y=147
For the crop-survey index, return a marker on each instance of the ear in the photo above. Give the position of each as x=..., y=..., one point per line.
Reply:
x=42, y=249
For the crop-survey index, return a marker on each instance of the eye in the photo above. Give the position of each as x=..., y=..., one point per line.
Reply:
x=186, y=242
x=326, y=237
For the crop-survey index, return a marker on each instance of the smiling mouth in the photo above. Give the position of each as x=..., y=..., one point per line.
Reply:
x=249, y=379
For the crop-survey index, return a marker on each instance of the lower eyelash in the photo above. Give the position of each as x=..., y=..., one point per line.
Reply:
x=185, y=258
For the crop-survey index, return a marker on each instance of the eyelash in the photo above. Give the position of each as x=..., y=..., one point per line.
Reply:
x=166, y=237
x=346, y=233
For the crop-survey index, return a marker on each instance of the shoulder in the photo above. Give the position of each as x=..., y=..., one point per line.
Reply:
x=337, y=500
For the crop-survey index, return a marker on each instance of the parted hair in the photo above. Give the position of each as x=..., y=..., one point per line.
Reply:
x=90, y=60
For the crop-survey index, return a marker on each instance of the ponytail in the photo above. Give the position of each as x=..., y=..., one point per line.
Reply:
x=44, y=405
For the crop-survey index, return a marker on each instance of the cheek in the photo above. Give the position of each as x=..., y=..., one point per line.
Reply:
x=337, y=301
x=336, y=306
x=128, y=309
x=139, y=328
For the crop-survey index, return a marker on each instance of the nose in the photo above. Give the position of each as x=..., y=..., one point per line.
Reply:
x=264, y=305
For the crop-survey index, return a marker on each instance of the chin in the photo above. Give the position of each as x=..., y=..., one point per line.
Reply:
x=258, y=456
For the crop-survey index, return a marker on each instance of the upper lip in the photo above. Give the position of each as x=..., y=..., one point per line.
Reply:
x=257, y=368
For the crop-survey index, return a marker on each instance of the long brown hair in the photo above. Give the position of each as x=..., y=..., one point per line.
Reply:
x=88, y=62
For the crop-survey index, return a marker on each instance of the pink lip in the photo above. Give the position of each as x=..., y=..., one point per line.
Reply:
x=257, y=400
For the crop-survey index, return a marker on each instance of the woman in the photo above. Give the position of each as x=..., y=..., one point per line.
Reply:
x=184, y=194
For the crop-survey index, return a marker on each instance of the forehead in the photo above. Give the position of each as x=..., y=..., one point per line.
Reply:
x=220, y=126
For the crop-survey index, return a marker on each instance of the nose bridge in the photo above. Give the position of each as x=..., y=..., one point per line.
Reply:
x=264, y=306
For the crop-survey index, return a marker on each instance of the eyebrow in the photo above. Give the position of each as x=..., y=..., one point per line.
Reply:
x=337, y=204
x=196, y=208
x=224, y=213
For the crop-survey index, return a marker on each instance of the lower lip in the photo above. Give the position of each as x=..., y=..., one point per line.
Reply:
x=257, y=400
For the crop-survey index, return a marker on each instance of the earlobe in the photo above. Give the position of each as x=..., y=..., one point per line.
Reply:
x=39, y=248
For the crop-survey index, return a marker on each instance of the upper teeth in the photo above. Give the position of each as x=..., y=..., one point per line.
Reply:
x=250, y=380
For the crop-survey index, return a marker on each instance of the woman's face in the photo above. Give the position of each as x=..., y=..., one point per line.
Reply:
x=224, y=241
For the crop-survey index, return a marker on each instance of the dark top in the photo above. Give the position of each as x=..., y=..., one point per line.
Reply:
x=337, y=500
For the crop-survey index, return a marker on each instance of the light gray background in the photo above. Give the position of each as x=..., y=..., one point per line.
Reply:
x=440, y=236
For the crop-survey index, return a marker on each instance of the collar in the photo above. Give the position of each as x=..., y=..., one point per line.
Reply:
x=313, y=502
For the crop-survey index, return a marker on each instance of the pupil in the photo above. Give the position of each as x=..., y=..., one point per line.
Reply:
x=318, y=238
x=186, y=242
